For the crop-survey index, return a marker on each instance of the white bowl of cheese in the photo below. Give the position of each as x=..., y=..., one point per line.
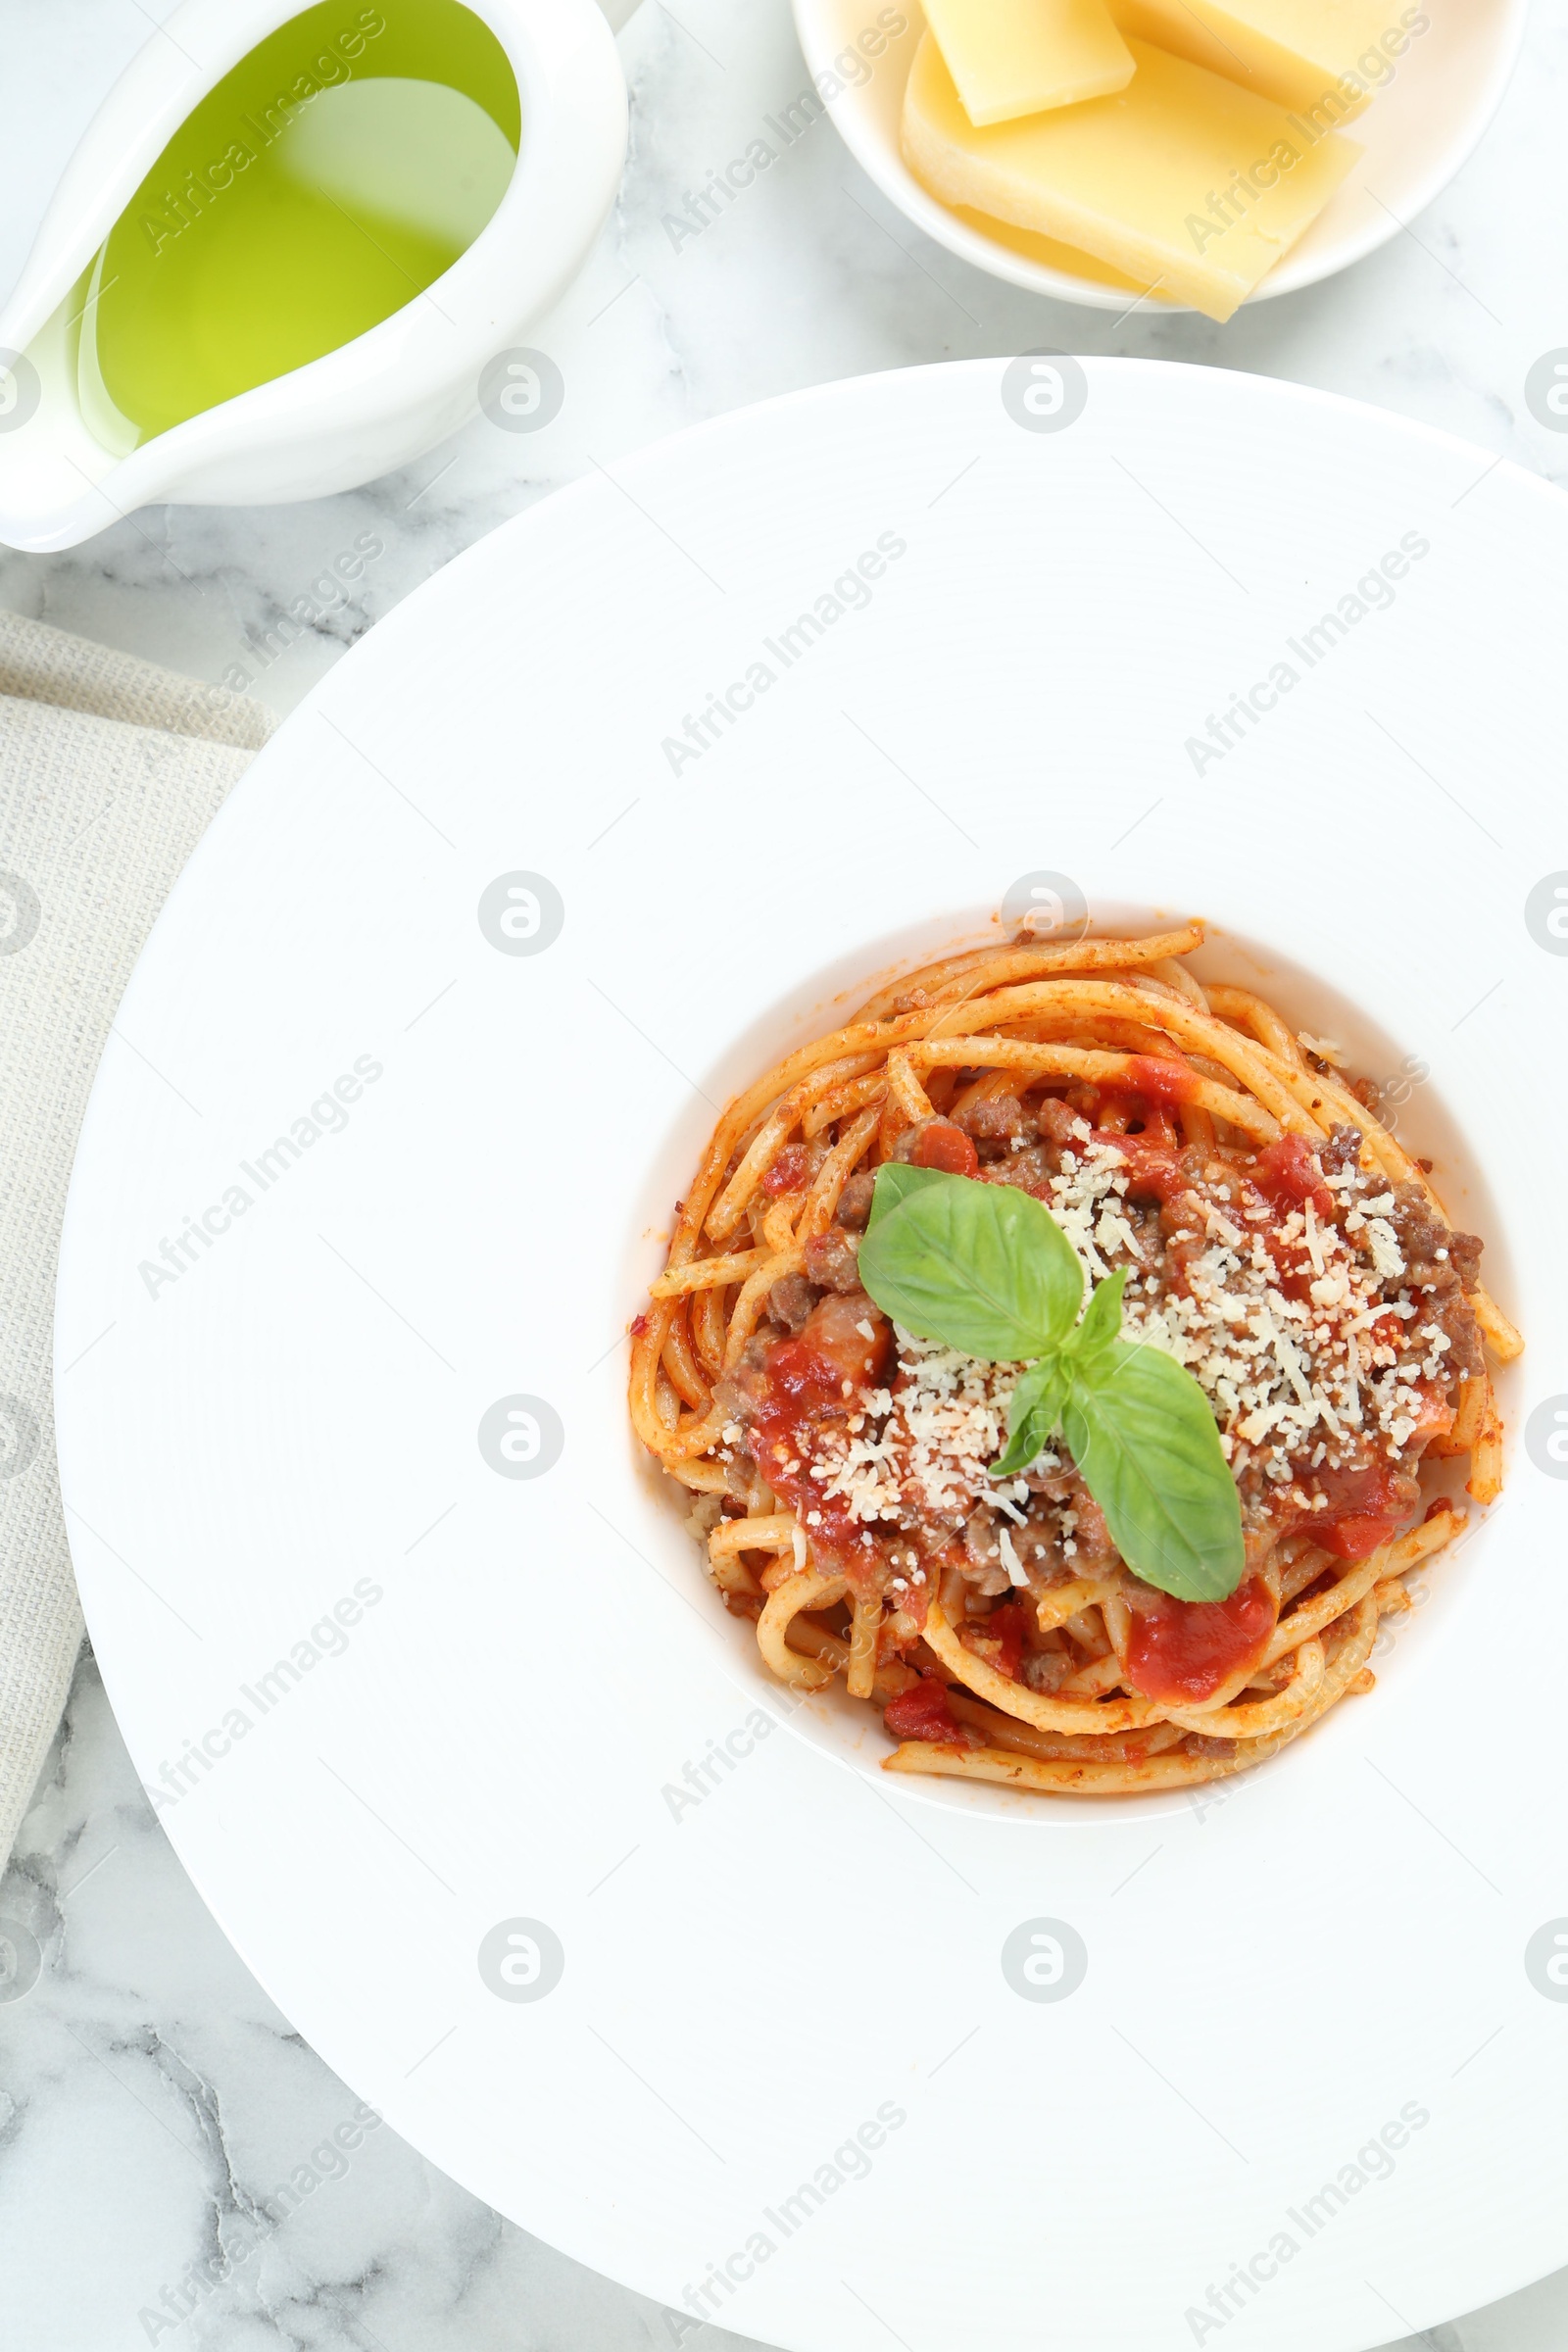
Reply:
x=1428, y=106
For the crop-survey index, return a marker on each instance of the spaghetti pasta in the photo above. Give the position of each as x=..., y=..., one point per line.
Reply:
x=1273, y=1236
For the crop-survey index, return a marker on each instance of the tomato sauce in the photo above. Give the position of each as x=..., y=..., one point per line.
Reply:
x=1182, y=1652
x=943, y=1146
x=1364, y=1508
x=1166, y=1082
x=922, y=1713
x=789, y=1171
x=998, y=1639
x=1152, y=1163
x=1008, y=1624
x=805, y=1382
x=1154, y=1128
x=1287, y=1172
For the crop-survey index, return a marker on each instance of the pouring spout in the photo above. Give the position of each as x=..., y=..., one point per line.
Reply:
x=55, y=479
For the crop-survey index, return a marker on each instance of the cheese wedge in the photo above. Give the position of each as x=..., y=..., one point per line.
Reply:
x=1323, y=58
x=1017, y=57
x=1049, y=252
x=1188, y=185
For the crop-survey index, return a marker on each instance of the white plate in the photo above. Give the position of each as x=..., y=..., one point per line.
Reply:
x=1276, y=1969
x=1415, y=135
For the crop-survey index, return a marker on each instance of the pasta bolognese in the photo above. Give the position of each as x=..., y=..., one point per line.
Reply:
x=874, y=1497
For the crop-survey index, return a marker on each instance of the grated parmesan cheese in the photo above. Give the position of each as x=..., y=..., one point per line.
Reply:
x=1018, y=1573
x=1301, y=1330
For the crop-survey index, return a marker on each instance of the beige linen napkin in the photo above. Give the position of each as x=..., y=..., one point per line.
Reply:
x=110, y=768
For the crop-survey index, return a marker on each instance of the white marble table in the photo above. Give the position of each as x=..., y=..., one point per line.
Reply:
x=149, y=2092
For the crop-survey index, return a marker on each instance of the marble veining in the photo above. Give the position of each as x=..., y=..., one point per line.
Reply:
x=176, y=2167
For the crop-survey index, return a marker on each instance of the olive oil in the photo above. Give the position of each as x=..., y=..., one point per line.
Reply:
x=328, y=179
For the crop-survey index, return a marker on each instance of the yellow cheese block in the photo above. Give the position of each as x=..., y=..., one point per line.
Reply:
x=1323, y=58
x=1049, y=252
x=1190, y=186
x=1017, y=57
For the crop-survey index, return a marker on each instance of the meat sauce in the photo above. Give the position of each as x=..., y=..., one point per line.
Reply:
x=809, y=1381
x=814, y=1381
x=1364, y=1505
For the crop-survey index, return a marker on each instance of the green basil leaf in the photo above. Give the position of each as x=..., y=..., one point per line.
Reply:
x=982, y=1267
x=895, y=1181
x=1034, y=1412
x=1142, y=1433
x=1101, y=1320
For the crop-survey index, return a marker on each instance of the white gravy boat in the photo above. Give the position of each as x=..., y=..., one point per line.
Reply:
x=377, y=400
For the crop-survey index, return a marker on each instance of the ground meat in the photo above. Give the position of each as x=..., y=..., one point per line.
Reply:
x=931, y=1529
x=997, y=1119
x=1046, y=1670
x=1184, y=1216
x=1435, y=1257
x=1031, y=1169
x=832, y=1258
x=1464, y=1255
x=1143, y=1218
x=745, y=1385
x=1261, y=1502
x=1054, y=1120
x=984, y=1569
x=1341, y=1150
x=1184, y=1226
x=980, y=1539
x=1091, y=1536
x=855, y=1202
x=791, y=1300
x=1457, y=1319
x=1366, y=1093
x=1038, y=1540
x=1420, y=1233
x=852, y=1333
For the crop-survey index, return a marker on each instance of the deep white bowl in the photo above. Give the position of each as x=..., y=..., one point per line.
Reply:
x=1279, y=1971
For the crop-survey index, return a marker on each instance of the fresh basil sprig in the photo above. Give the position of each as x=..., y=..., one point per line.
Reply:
x=986, y=1268
x=895, y=1181
x=1040, y=1397
x=1140, y=1429
x=979, y=1266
